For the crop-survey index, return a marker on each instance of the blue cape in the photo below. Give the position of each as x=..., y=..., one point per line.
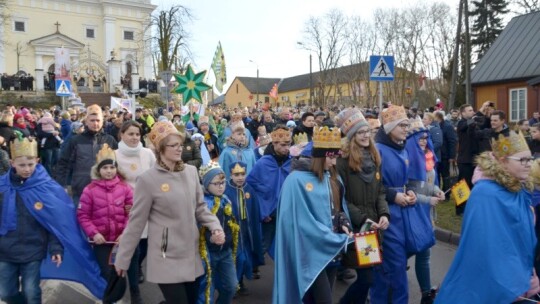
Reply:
x=267, y=178
x=305, y=242
x=233, y=154
x=57, y=214
x=494, y=260
x=417, y=158
x=250, y=247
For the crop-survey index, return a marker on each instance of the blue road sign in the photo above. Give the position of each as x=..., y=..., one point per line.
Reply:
x=381, y=68
x=63, y=87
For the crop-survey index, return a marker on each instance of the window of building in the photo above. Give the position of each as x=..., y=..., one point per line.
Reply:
x=19, y=26
x=518, y=104
x=90, y=33
x=128, y=35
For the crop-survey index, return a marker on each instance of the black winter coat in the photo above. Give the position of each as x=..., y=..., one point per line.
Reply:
x=79, y=156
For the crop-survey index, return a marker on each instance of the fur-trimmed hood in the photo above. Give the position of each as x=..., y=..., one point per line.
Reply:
x=491, y=169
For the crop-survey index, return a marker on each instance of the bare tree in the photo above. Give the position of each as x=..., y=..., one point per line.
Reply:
x=172, y=36
x=326, y=37
x=20, y=50
x=526, y=6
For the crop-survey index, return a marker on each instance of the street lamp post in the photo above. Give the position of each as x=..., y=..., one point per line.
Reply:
x=310, y=73
x=257, y=79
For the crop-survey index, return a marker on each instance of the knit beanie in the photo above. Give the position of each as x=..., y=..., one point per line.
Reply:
x=350, y=120
x=208, y=172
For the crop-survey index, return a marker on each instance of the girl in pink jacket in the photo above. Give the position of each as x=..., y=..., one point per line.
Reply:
x=104, y=211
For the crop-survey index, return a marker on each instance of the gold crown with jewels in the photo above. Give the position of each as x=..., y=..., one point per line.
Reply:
x=507, y=145
x=105, y=153
x=393, y=113
x=23, y=147
x=326, y=138
x=300, y=138
x=281, y=135
x=238, y=169
x=209, y=167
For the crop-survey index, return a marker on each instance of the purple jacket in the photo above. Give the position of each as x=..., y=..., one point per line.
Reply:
x=104, y=208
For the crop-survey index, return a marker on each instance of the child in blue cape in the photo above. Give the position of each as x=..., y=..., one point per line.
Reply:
x=246, y=210
x=219, y=260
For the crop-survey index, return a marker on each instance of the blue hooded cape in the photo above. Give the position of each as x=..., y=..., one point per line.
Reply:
x=305, y=242
x=56, y=213
x=233, y=154
x=267, y=178
x=417, y=158
x=250, y=244
x=494, y=260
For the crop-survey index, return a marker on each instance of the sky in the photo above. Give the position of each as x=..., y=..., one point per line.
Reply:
x=265, y=32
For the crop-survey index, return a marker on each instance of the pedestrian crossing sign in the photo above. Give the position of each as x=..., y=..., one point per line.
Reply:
x=63, y=87
x=381, y=68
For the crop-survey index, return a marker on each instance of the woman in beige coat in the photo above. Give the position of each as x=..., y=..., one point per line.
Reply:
x=170, y=198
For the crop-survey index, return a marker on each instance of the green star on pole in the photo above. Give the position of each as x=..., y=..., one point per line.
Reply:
x=191, y=85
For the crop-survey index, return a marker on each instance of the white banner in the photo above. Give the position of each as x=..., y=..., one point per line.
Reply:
x=120, y=104
x=62, y=64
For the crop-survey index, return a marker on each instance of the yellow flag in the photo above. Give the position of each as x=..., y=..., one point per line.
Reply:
x=461, y=192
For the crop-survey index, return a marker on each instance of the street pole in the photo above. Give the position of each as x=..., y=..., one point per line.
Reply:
x=310, y=81
x=380, y=97
x=257, y=83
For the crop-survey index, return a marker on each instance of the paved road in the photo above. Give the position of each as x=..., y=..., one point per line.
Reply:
x=56, y=292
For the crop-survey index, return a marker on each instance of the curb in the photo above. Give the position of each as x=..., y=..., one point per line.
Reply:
x=447, y=236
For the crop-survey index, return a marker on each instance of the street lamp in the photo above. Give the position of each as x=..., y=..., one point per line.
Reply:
x=257, y=79
x=310, y=73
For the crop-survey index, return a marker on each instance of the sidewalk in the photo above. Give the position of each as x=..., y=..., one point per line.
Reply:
x=447, y=236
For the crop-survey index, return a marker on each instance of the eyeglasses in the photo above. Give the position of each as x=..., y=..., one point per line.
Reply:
x=175, y=146
x=524, y=160
x=364, y=133
x=404, y=125
x=423, y=138
x=218, y=184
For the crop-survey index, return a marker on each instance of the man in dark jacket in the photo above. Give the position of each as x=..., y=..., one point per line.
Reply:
x=80, y=154
x=448, y=150
x=306, y=126
x=489, y=127
x=435, y=132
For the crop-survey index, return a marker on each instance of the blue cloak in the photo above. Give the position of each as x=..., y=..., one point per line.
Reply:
x=392, y=274
x=50, y=205
x=494, y=260
x=305, y=242
x=233, y=154
x=250, y=252
x=266, y=178
x=227, y=133
x=417, y=158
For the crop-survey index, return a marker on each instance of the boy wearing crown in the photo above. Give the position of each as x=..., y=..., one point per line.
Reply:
x=266, y=179
x=246, y=210
x=237, y=148
x=219, y=260
x=38, y=224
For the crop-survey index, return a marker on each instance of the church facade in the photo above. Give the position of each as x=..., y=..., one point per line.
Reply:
x=94, y=31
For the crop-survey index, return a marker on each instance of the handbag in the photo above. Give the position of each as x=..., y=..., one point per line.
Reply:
x=116, y=285
x=418, y=228
x=368, y=250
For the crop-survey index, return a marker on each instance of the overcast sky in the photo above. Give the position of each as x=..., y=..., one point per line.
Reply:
x=263, y=31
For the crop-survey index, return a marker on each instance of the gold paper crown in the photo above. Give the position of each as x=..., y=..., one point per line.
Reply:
x=23, y=147
x=105, y=153
x=94, y=110
x=326, y=138
x=300, y=138
x=508, y=145
x=209, y=167
x=160, y=130
x=393, y=113
x=238, y=169
x=281, y=135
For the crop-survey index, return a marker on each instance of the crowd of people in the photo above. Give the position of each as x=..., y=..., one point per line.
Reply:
x=205, y=199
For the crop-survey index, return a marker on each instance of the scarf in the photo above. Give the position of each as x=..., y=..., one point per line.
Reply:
x=179, y=166
x=20, y=126
x=430, y=162
x=129, y=151
x=367, y=172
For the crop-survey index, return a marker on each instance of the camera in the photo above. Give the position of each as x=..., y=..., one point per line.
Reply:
x=492, y=104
